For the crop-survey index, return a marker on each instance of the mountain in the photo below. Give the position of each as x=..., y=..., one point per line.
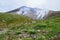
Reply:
x=34, y=13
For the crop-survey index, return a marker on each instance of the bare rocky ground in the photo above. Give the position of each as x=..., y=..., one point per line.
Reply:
x=3, y=30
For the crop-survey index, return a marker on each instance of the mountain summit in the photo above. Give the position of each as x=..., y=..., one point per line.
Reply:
x=35, y=13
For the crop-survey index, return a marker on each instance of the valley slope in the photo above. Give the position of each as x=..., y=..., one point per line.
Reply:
x=22, y=27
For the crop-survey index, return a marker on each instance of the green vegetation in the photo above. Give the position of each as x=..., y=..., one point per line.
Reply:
x=24, y=28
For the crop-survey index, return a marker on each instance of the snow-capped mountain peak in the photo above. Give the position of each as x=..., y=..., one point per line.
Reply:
x=35, y=13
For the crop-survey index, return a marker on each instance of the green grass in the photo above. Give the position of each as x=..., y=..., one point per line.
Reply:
x=19, y=25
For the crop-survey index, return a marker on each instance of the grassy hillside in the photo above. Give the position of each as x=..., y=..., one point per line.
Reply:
x=18, y=27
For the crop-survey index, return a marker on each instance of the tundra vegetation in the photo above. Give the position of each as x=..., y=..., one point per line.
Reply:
x=19, y=27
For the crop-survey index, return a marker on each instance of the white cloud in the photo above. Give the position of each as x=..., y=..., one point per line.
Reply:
x=35, y=3
x=6, y=5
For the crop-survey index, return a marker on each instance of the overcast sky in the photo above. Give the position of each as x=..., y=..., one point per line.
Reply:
x=6, y=5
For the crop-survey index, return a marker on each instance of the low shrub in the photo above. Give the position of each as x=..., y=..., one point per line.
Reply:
x=32, y=31
x=27, y=38
x=18, y=32
x=40, y=26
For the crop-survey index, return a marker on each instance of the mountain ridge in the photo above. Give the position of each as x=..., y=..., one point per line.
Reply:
x=35, y=13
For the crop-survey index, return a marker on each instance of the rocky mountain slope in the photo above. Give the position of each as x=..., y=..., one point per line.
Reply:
x=34, y=13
